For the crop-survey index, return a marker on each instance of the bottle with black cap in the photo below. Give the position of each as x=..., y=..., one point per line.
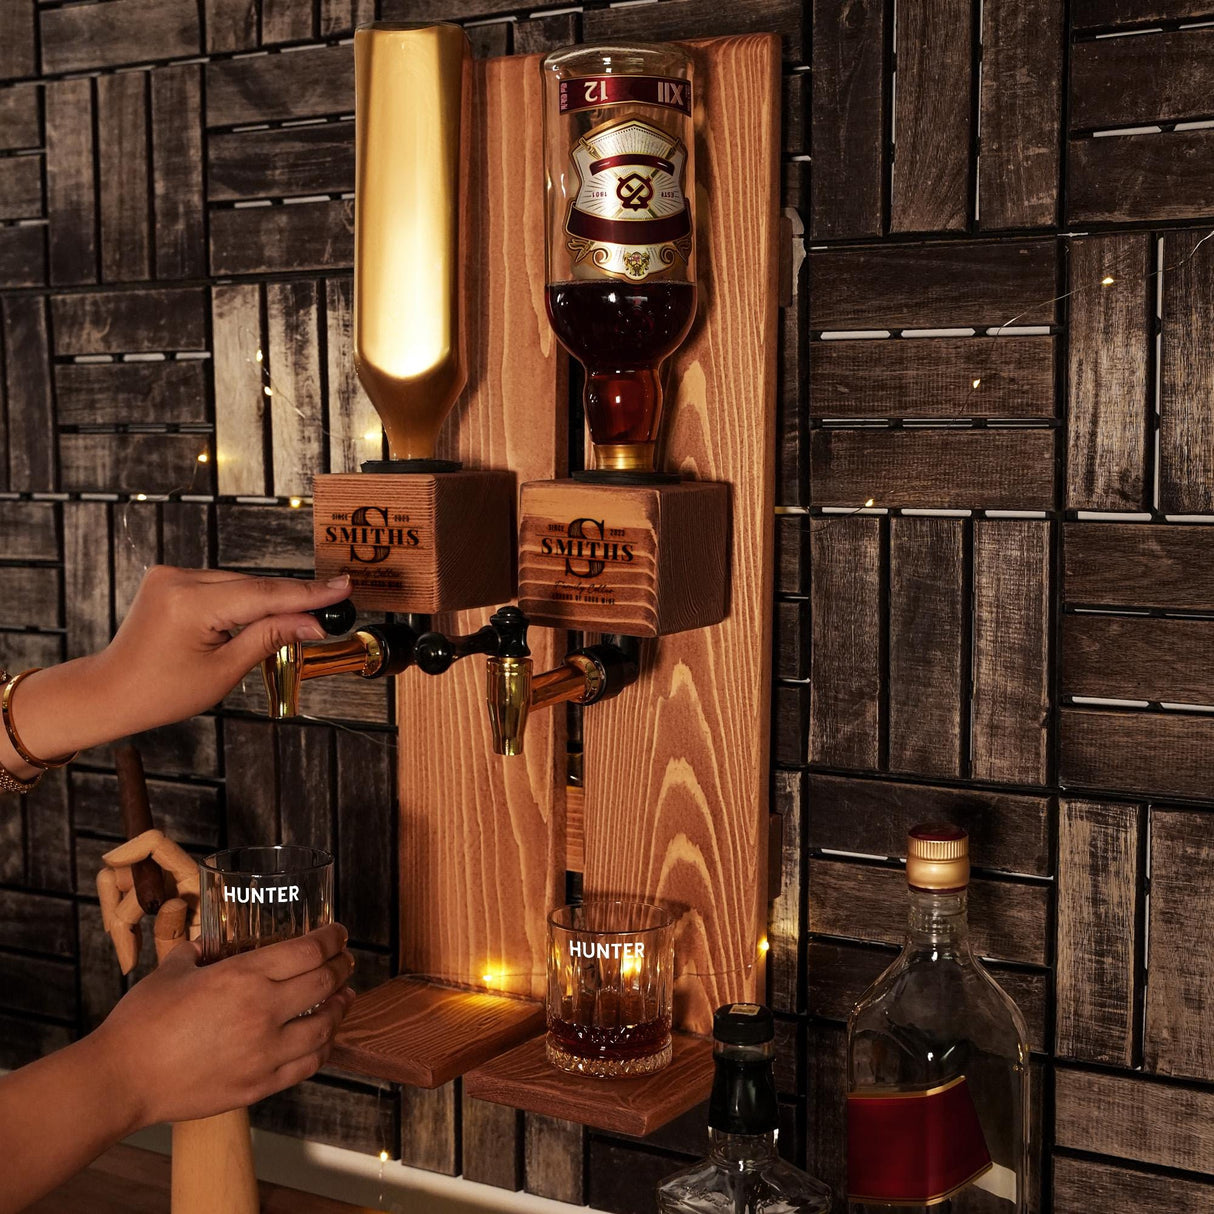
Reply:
x=937, y=1060
x=743, y=1173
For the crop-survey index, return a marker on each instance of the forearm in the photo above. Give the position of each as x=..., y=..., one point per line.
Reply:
x=56, y=1116
x=57, y=711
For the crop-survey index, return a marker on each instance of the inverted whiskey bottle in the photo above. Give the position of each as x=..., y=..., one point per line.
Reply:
x=937, y=1060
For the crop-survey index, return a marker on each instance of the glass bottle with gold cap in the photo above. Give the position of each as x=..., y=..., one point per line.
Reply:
x=937, y=1060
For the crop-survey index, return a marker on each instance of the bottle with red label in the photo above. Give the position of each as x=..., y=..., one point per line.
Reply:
x=619, y=151
x=937, y=1060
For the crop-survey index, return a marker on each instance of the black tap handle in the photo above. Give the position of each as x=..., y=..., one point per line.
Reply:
x=337, y=619
x=435, y=653
x=618, y=659
x=398, y=642
x=510, y=625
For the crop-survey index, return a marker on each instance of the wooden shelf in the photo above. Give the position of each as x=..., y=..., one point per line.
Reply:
x=523, y=1079
x=412, y=1031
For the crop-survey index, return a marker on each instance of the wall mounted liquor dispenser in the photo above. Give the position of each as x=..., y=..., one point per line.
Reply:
x=414, y=533
x=622, y=547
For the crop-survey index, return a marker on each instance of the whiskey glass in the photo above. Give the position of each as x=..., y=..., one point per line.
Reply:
x=619, y=153
x=610, y=985
x=253, y=896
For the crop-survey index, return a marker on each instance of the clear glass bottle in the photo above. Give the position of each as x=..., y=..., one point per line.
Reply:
x=743, y=1174
x=937, y=1060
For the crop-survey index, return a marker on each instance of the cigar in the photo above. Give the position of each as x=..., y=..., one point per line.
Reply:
x=137, y=818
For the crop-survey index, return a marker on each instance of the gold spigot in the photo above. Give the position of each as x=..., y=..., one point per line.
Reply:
x=513, y=692
x=363, y=653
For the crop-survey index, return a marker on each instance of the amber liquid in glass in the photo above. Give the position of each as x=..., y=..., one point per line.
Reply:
x=615, y=1028
x=622, y=333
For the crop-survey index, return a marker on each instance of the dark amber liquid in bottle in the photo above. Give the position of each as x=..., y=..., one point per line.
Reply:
x=622, y=333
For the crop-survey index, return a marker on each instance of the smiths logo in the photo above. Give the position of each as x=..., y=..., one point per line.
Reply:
x=587, y=547
x=371, y=535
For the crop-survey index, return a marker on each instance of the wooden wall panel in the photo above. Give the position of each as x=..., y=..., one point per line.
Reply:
x=1179, y=1038
x=926, y=593
x=297, y=419
x=20, y=126
x=268, y=88
x=130, y=322
x=1129, y=565
x=71, y=201
x=1109, y=352
x=300, y=236
x=177, y=180
x=240, y=383
x=18, y=55
x=81, y=37
x=1098, y=880
x=846, y=616
x=123, y=146
x=1081, y=1183
x=31, y=441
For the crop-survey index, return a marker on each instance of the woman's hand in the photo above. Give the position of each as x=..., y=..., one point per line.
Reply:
x=174, y=656
x=191, y=1040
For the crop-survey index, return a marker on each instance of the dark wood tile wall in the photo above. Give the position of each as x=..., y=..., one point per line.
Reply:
x=998, y=332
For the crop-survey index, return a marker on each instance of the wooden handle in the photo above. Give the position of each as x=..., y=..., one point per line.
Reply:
x=137, y=818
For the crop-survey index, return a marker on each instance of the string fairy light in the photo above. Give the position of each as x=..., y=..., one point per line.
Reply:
x=203, y=457
x=1107, y=281
x=295, y=502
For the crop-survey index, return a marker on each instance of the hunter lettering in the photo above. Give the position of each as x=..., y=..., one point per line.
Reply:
x=613, y=951
x=271, y=893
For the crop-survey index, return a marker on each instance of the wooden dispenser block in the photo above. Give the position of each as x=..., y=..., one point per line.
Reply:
x=643, y=560
x=417, y=541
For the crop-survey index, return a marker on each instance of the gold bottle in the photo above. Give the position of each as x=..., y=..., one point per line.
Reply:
x=411, y=225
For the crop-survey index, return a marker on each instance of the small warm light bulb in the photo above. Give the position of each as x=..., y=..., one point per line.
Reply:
x=763, y=945
x=373, y=436
x=488, y=978
x=141, y=497
x=203, y=457
x=868, y=504
x=383, y=1157
x=1107, y=281
x=975, y=383
x=296, y=502
x=259, y=356
x=268, y=390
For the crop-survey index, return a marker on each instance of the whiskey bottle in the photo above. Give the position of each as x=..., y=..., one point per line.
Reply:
x=743, y=1174
x=937, y=1060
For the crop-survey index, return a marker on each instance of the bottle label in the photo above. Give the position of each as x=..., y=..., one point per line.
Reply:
x=916, y=1148
x=591, y=92
x=629, y=217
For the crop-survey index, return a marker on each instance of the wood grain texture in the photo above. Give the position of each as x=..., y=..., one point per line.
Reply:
x=240, y=400
x=115, y=393
x=429, y=1126
x=366, y=778
x=136, y=548
x=296, y=407
x=231, y=25
x=190, y=814
x=523, y=1078
x=412, y=1031
x=1138, y=658
x=1120, y=1115
x=130, y=463
x=177, y=179
x=1009, y=469
x=355, y=430
x=786, y=923
x=22, y=256
x=266, y=88
x=37, y=923
x=81, y=37
x=1136, y=752
x=846, y=669
x=281, y=162
x=1179, y=1036
x=1019, y=103
x=306, y=774
x=1128, y=565
x=847, y=116
x=933, y=378
x=341, y=16
x=70, y=185
x=1098, y=877
x=1186, y=414
x=1141, y=81
x=477, y=831
x=1079, y=1184
x=712, y=727
x=792, y=554
x=490, y=1141
x=141, y=320
x=932, y=115
x=29, y=531
x=1108, y=355
x=926, y=594
x=21, y=187
x=300, y=236
x=1088, y=14
x=1008, y=920
x=20, y=126
x=285, y=21
x=1011, y=686
x=1007, y=831
x=49, y=830
x=31, y=432
x=18, y=55
x=322, y=1112
x=553, y=1158
x=263, y=537
x=86, y=576
x=792, y=646
x=1130, y=178
x=665, y=550
x=934, y=285
x=122, y=130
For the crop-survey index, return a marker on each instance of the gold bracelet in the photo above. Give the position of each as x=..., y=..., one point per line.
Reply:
x=6, y=710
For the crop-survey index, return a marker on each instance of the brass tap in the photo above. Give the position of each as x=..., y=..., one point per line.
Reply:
x=371, y=653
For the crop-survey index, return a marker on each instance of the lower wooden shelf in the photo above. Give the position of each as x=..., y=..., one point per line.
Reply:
x=412, y=1031
x=523, y=1079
